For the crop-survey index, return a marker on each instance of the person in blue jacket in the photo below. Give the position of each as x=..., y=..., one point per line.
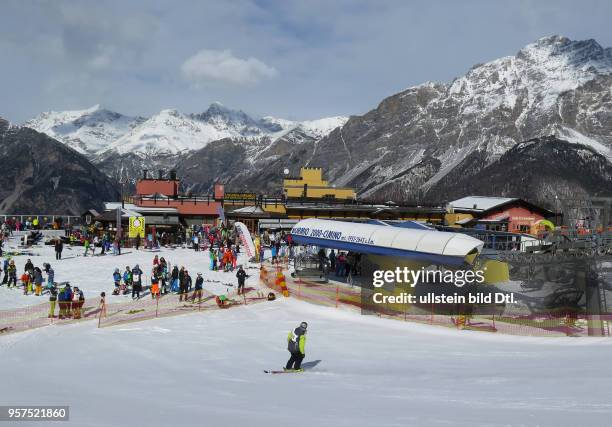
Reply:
x=117, y=280
x=65, y=301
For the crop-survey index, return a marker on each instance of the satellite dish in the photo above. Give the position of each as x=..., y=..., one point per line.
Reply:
x=286, y=171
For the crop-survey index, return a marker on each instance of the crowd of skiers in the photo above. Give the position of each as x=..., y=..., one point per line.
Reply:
x=37, y=281
x=164, y=280
x=31, y=280
x=70, y=301
x=341, y=263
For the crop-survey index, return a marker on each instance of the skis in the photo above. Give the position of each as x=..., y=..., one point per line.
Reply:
x=290, y=371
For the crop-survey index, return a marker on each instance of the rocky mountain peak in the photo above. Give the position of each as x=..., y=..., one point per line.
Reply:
x=564, y=53
x=218, y=113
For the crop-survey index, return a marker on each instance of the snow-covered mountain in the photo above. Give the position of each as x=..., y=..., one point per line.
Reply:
x=412, y=140
x=416, y=143
x=122, y=146
x=86, y=131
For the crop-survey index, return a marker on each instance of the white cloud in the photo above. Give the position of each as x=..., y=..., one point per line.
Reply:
x=222, y=66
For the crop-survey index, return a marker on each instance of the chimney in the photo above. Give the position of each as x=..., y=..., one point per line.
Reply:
x=160, y=174
x=144, y=173
x=173, y=175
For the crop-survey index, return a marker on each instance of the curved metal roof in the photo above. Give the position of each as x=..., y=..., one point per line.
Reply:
x=422, y=245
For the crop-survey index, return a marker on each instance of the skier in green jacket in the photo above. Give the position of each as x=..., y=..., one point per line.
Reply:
x=296, y=343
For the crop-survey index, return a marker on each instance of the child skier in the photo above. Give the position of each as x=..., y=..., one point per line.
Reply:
x=52, y=301
x=38, y=279
x=127, y=278
x=136, y=282
x=117, y=280
x=50, y=275
x=25, y=281
x=155, y=282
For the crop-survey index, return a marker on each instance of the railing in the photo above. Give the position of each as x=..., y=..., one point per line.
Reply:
x=42, y=218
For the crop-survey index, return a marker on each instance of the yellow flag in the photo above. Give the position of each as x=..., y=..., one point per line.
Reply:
x=137, y=226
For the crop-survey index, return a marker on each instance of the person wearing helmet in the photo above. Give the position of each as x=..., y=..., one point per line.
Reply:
x=296, y=343
x=50, y=275
x=136, y=282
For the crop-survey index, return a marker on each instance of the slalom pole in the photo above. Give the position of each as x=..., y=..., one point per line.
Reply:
x=100, y=315
x=337, y=294
x=156, y=304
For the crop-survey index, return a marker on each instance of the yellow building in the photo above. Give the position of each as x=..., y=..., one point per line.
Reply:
x=311, y=184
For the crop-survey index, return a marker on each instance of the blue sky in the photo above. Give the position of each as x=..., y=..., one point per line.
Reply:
x=293, y=59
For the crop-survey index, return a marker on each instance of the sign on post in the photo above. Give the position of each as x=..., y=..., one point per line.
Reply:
x=137, y=227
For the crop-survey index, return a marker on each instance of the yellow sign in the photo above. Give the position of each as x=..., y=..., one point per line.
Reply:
x=137, y=226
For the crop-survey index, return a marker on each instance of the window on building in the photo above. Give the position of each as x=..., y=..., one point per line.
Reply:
x=523, y=228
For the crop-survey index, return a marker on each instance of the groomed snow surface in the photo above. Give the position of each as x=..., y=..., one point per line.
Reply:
x=206, y=369
x=94, y=274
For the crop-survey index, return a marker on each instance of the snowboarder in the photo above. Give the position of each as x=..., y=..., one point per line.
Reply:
x=296, y=343
x=59, y=247
x=242, y=276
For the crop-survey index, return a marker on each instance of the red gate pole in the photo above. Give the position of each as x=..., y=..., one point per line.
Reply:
x=337, y=294
x=102, y=310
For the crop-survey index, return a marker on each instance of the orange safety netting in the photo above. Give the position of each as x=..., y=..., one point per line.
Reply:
x=35, y=316
x=342, y=295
